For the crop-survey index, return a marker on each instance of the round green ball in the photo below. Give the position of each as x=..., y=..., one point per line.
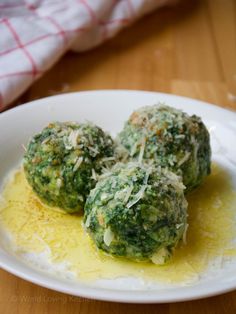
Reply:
x=62, y=162
x=138, y=212
x=169, y=138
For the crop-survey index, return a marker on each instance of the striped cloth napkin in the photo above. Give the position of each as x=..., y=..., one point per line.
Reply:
x=36, y=33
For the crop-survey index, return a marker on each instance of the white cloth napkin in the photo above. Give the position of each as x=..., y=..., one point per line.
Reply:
x=34, y=34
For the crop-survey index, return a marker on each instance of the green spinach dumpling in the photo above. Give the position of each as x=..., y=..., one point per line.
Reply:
x=62, y=162
x=169, y=138
x=138, y=212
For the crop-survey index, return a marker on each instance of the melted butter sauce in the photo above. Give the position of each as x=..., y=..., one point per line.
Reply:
x=35, y=227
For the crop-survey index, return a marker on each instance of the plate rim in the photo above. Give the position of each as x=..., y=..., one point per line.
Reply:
x=100, y=91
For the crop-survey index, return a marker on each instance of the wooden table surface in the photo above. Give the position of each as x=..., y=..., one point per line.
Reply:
x=187, y=50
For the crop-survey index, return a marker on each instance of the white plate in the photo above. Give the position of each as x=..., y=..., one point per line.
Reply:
x=109, y=109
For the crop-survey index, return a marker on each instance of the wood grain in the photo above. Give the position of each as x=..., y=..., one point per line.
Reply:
x=188, y=50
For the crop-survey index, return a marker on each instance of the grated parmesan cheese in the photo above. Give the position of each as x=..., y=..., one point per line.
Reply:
x=128, y=193
x=78, y=164
x=175, y=181
x=185, y=233
x=142, y=148
x=185, y=158
x=134, y=149
x=72, y=138
x=23, y=146
x=138, y=196
x=94, y=175
x=108, y=236
x=94, y=151
x=59, y=182
x=87, y=223
x=105, y=159
x=159, y=258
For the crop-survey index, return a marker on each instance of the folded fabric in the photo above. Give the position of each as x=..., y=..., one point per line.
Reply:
x=36, y=33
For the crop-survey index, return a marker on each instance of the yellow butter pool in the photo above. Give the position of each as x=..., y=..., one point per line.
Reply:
x=35, y=227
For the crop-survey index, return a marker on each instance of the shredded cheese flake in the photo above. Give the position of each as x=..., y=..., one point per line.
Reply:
x=128, y=193
x=185, y=234
x=94, y=175
x=184, y=159
x=94, y=152
x=160, y=256
x=105, y=159
x=142, y=149
x=108, y=236
x=140, y=193
x=78, y=163
x=72, y=138
x=137, y=196
x=59, y=182
x=87, y=223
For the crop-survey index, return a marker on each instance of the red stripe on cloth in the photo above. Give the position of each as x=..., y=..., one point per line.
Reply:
x=1, y=102
x=27, y=44
x=61, y=9
x=104, y=32
x=91, y=12
x=131, y=8
x=11, y=5
x=78, y=30
x=115, y=21
x=61, y=32
x=3, y=20
x=30, y=7
x=20, y=45
x=106, y=23
x=19, y=73
x=75, y=30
